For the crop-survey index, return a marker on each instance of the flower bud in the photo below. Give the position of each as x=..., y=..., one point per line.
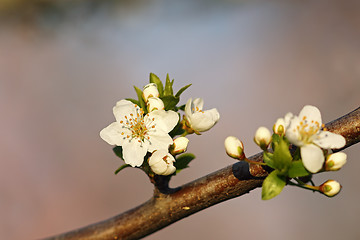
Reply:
x=330, y=188
x=279, y=126
x=154, y=103
x=150, y=90
x=234, y=147
x=161, y=162
x=335, y=161
x=179, y=146
x=262, y=137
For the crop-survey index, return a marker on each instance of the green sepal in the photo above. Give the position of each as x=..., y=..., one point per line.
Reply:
x=133, y=101
x=170, y=102
x=141, y=100
x=183, y=160
x=121, y=168
x=168, y=91
x=275, y=139
x=182, y=107
x=155, y=79
x=118, y=152
x=177, y=130
x=297, y=169
x=282, y=157
x=272, y=185
x=268, y=159
x=182, y=90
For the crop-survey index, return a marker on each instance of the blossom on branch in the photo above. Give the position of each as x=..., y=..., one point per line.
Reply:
x=198, y=120
x=305, y=131
x=138, y=133
x=162, y=163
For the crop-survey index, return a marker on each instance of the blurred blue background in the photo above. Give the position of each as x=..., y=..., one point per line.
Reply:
x=64, y=65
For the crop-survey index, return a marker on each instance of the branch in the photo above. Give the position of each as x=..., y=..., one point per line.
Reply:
x=170, y=205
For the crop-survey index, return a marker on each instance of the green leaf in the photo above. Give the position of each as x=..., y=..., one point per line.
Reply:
x=118, y=151
x=282, y=157
x=297, y=169
x=272, y=185
x=177, y=130
x=275, y=140
x=133, y=101
x=168, y=91
x=141, y=100
x=183, y=160
x=182, y=90
x=155, y=79
x=268, y=159
x=121, y=168
x=170, y=102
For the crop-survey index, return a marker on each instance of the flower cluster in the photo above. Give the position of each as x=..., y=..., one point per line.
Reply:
x=312, y=145
x=145, y=129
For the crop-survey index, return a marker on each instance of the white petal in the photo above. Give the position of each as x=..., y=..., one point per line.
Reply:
x=287, y=119
x=112, y=134
x=201, y=122
x=188, y=111
x=292, y=133
x=124, y=108
x=164, y=120
x=198, y=103
x=312, y=157
x=311, y=113
x=159, y=140
x=329, y=140
x=134, y=152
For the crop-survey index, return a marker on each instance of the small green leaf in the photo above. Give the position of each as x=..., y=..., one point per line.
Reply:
x=118, y=151
x=275, y=140
x=297, y=169
x=282, y=157
x=183, y=160
x=182, y=90
x=168, y=91
x=177, y=130
x=272, y=185
x=141, y=100
x=121, y=168
x=170, y=102
x=133, y=101
x=155, y=79
x=268, y=159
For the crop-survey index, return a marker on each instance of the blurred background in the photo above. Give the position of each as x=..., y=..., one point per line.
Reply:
x=64, y=64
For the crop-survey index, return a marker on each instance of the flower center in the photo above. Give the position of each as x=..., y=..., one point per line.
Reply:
x=197, y=109
x=307, y=129
x=138, y=125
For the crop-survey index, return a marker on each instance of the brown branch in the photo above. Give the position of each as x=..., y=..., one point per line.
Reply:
x=170, y=205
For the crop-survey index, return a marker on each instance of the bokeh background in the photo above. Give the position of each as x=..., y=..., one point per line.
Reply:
x=64, y=64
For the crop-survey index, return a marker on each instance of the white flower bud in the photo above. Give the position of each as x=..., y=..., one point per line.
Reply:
x=262, y=137
x=335, y=161
x=279, y=126
x=330, y=188
x=154, y=103
x=180, y=145
x=150, y=90
x=161, y=162
x=234, y=147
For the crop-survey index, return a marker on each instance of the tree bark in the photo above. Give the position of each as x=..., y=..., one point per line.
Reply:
x=170, y=205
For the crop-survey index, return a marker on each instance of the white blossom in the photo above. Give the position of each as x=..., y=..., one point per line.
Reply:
x=161, y=162
x=154, y=103
x=335, y=161
x=197, y=119
x=139, y=134
x=279, y=126
x=180, y=145
x=234, y=147
x=330, y=188
x=305, y=131
x=262, y=137
x=150, y=90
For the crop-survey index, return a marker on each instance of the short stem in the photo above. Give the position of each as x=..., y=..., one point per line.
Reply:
x=304, y=185
x=253, y=162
